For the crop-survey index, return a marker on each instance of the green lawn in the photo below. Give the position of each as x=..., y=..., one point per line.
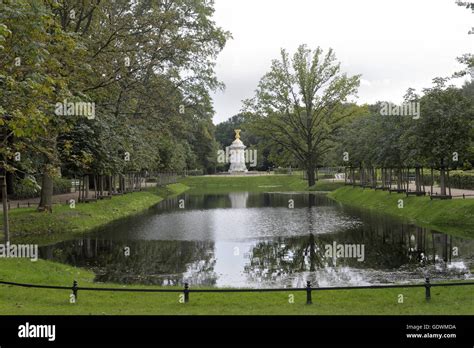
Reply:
x=261, y=183
x=29, y=226
x=17, y=301
x=451, y=216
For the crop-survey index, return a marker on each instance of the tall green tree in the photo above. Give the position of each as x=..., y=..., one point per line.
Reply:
x=302, y=102
x=39, y=70
x=443, y=131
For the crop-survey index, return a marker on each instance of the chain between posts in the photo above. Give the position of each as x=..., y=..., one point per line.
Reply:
x=186, y=290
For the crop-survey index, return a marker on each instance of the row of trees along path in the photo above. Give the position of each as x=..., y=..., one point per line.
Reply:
x=411, y=181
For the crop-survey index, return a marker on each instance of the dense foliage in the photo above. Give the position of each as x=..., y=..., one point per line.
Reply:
x=144, y=68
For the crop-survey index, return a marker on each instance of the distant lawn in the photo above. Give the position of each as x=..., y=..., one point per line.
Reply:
x=29, y=226
x=454, y=216
x=327, y=185
x=254, y=183
x=26, y=301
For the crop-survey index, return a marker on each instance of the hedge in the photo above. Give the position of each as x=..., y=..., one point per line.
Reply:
x=195, y=172
x=29, y=188
x=462, y=180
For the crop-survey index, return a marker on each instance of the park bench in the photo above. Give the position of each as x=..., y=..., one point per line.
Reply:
x=87, y=200
x=397, y=190
x=104, y=197
x=416, y=193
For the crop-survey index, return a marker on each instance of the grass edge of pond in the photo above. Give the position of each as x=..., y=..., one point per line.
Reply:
x=454, y=217
x=27, y=226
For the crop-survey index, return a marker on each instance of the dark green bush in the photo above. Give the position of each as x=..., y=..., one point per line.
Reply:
x=30, y=188
x=282, y=170
x=195, y=172
x=462, y=180
x=25, y=188
x=61, y=185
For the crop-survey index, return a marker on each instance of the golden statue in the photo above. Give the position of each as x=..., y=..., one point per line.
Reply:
x=237, y=133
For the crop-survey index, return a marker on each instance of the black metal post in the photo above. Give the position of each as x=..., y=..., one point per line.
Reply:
x=6, y=207
x=308, y=293
x=74, y=289
x=427, y=289
x=186, y=292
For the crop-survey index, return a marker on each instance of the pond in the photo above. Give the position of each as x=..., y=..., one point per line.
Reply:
x=246, y=239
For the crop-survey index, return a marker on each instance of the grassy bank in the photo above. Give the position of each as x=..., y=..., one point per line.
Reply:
x=451, y=216
x=263, y=183
x=16, y=300
x=29, y=226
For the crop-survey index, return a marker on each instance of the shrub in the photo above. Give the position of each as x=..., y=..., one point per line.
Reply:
x=462, y=180
x=61, y=185
x=195, y=172
x=25, y=188
x=30, y=188
x=326, y=176
x=280, y=170
x=467, y=165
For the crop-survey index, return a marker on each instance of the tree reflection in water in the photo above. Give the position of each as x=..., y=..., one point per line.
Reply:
x=282, y=246
x=150, y=262
x=393, y=254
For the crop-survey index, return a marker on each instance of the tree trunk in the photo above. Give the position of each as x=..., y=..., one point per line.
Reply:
x=6, y=226
x=121, y=183
x=10, y=187
x=311, y=176
x=46, y=201
x=399, y=178
x=87, y=186
x=442, y=181
x=418, y=179
x=312, y=253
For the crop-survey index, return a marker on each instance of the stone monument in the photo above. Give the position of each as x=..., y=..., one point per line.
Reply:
x=237, y=155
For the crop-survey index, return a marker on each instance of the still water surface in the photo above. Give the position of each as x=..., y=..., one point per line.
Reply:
x=255, y=240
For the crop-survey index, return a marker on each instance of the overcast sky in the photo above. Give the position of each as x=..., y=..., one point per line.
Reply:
x=393, y=44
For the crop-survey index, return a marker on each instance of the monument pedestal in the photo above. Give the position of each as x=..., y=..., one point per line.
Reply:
x=237, y=155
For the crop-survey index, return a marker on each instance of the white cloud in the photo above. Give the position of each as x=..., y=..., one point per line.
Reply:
x=393, y=44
